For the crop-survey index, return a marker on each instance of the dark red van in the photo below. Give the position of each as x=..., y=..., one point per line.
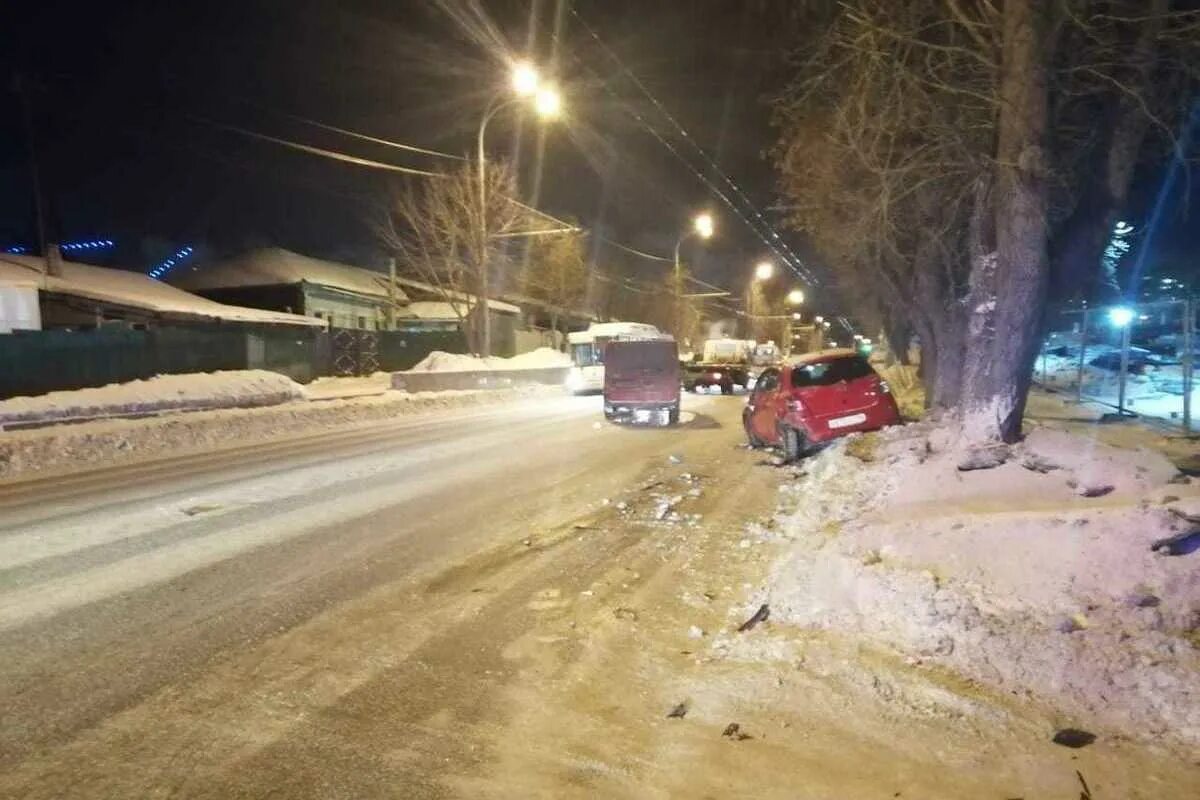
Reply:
x=818, y=397
x=641, y=381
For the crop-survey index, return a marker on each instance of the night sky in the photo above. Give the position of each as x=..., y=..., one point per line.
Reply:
x=124, y=94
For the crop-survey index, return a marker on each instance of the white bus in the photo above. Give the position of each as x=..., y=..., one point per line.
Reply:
x=587, y=351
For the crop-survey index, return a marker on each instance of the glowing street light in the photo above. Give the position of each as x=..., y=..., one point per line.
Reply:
x=1120, y=316
x=703, y=225
x=547, y=103
x=796, y=316
x=795, y=297
x=525, y=79
x=764, y=270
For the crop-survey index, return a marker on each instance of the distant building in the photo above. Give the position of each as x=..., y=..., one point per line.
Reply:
x=279, y=280
x=81, y=296
x=435, y=308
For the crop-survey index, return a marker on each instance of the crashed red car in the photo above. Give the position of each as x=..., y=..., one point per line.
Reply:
x=815, y=399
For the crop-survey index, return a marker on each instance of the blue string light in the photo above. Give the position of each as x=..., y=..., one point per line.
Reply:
x=172, y=261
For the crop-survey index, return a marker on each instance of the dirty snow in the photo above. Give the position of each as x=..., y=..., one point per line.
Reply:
x=541, y=358
x=1007, y=575
x=230, y=389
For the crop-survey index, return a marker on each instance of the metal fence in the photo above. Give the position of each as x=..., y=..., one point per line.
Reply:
x=1137, y=359
x=36, y=362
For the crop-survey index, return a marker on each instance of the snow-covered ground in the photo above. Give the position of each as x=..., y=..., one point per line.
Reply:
x=1158, y=392
x=541, y=358
x=232, y=389
x=1035, y=578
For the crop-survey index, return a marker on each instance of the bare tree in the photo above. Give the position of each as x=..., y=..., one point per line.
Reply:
x=431, y=227
x=557, y=273
x=943, y=154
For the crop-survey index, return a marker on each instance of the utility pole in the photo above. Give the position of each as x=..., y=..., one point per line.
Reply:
x=21, y=85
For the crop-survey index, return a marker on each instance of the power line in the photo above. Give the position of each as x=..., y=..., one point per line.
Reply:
x=333, y=154
x=774, y=241
x=366, y=137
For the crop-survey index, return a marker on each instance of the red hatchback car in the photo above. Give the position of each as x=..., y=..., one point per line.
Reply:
x=818, y=397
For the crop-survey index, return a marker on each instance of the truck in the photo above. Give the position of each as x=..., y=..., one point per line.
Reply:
x=725, y=363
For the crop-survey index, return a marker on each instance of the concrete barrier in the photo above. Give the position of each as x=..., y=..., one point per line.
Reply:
x=481, y=379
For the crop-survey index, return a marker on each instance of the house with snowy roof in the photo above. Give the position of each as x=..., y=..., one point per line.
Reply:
x=81, y=296
x=275, y=279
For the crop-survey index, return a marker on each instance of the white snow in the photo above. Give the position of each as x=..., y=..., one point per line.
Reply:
x=72, y=448
x=274, y=266
x=1007, y=575
x=135, y=290
x=541, y=358
x=232, y=389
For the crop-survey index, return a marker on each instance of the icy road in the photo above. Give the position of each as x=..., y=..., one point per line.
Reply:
x=507, y=602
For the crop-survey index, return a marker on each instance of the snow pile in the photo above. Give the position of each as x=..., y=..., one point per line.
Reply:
x=541, y=358
x=105, y=443
x=1038, y=577
x=232, y=389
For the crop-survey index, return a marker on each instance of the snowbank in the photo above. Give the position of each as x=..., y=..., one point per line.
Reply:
x=104, y=443
x=542, y=358
x=232, y=389
x=1037, y=577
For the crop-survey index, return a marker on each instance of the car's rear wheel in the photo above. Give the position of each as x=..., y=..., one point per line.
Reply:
x=795, y=444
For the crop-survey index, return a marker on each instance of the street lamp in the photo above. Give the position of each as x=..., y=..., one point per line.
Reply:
x=763, y=270
x=526, y=84
x=795, y=297
x=702, y=226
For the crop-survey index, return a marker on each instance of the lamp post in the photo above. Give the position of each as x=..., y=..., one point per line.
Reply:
x=702, y=226
x=795, y=297
x=547, y=102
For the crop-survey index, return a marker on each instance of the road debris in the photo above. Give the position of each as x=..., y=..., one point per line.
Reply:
x=1178, y=545
x=625, y=613
x=1073, y=738
x=984, y=458
x=734, y=732
x=695, y=632
x=678, y=712
x=674, y=459
x=200, y=508
x=759, y=616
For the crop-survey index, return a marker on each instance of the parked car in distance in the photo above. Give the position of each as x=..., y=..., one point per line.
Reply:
x=641, y=381
x=816, y=398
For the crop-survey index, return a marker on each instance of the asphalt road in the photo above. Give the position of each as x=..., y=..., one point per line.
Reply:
x=486, y=603
x=122, y=587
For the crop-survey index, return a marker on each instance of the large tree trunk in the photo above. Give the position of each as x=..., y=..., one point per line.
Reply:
x=995, y=398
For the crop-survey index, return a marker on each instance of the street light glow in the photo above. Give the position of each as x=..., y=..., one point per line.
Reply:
x=524, y=79
x=704, y=225
x=1120, y=316
x=548, y=103
x=764, y=270
x=795, y=297
x=796, y=315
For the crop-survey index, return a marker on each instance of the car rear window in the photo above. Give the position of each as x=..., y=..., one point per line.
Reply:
x=641, y=355
x=827, y=373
